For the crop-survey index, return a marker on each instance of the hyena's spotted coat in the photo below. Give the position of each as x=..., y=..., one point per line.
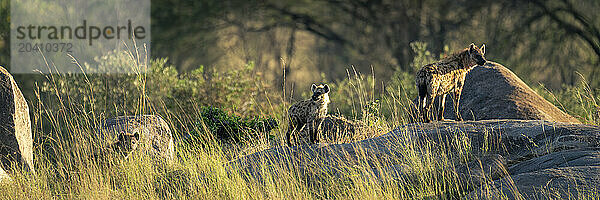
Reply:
x=445, y=76
x=308, y=111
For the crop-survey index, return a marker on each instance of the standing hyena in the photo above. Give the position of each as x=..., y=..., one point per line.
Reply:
x=445, y=76
x=308, y=111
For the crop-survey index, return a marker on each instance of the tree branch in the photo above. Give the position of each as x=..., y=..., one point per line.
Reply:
x=569, y=27
x=310, y=24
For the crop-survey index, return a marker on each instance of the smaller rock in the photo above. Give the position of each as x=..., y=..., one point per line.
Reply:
x=334, y=129
x=145, y=133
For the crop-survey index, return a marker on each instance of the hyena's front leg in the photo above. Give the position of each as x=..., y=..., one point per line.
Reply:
x=428, y=103
x=293, y=127
x=288, y=134
x=423, y=95
x=421, y=105
x=441, y=108
x=314, y=130
x=456, y=104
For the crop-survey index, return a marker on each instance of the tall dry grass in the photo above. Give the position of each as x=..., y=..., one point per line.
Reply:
x=66, y=167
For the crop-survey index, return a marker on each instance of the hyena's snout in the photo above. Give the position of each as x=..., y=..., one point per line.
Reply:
x=481, y=62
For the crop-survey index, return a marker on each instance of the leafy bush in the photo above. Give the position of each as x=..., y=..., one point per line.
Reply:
x=163, y=91
x=402, y=82
x=160, y=87
x=230, y=127
x=350, y=97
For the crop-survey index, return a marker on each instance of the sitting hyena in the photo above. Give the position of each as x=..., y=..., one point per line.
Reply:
x=447, y=75
x=308, y=111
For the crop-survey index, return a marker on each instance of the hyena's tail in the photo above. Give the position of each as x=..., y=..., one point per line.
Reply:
x=421, y=80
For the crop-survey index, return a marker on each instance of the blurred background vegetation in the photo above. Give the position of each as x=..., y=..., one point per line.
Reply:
x=542, y=41
x=253, y=57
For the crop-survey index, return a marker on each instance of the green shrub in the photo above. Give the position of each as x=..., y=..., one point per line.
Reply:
x=349, y=97
x=163, y=91
x=402, y=82
x=160, y=87
x=230, y=127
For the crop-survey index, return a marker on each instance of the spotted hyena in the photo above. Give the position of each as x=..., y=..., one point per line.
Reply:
x=445, y=76
x=308, y=111
x=126, y=143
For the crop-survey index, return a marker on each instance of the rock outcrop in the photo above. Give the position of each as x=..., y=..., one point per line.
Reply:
x=493, y=91
x=145, y=133
x=16, y=143
x=498, y=150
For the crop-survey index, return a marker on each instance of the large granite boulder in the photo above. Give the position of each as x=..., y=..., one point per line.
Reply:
x=145, y=133
x=16, y=143
x=497, y=151
x=493, y=91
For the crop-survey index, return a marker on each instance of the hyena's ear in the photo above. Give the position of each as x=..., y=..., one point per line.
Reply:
x=482, y=49
x=471, y=48
x=326, y=88
x=313, y=88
